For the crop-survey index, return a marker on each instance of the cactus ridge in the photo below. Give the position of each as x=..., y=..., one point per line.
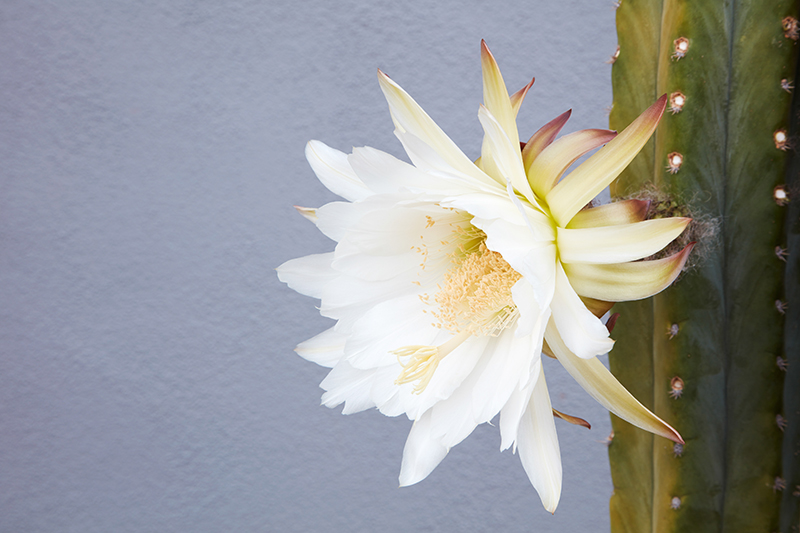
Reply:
x=703, y=353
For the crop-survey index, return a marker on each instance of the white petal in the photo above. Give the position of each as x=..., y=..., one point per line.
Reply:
x=506, y=156
x=309, y=275
x=347, y=384
x=333, y=170
x=584, y=334
x=384, y=173
x=538, y=446
x=325, y=349
x=421, y=454
x=512, y=411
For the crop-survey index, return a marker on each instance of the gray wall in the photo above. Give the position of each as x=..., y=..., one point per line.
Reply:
x=150, y=153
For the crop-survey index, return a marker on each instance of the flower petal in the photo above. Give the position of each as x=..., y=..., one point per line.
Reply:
x=584, y=334
x=613, y=214
x=622, y=282
x=409, y=117
x=422, y=453
x=495, y=96
x=617, y=244
x=308, y=275
x=512, y=411
x=604, y=387
x=333, y=170
x=505, y=154
x=545, y=171
x=309, y=213
x=542, y=138
x=350, y=385
x=594, y=174
x=325, y=349
x=538, y=446
x=519, y=96
x=574, y=420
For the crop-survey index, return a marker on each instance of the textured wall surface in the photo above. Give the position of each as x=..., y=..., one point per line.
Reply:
x=150, y=154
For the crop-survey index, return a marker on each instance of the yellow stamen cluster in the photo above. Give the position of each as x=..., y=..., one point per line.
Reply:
x=476, y=295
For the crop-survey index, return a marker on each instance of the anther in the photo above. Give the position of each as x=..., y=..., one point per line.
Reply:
x=791, y=28
x=781, y=306
x=780, y=195
x=782, y=363
x=614, y=56
x=674, y=162
x=781, y=140
x=672, y=331
x=781, y=253
x=676, y=388
x=677, y=449
x=681, y=45
x=781, y=422
x=675, y=503
x=779, y=484
x=786, y=85
x=676, y=102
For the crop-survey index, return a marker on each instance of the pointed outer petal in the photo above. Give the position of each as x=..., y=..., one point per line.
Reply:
x=622, y=282
x=495, y=96
x=612, y=321
x=519, y=96
x=309, y=213
x=593, y=175
x=409, y=117
x=545, y=171
x=308, y=275
x=597, y=307
x=333, y=170
x=350, y=385
x=584, y=333
x=546, y=350
x=604, y=387
x=538, y=446
x=613, y=214
x=506, y=154
x=421, y=454
x=542, y=138
x=572, y=419
x=534, y=259
x=617, y=244
x=325, y=349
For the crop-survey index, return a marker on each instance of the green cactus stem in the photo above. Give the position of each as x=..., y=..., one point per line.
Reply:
x=703, y=353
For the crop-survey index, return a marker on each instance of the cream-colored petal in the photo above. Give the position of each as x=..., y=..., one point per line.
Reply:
x=422, y=453
x=538, y=446
x=545, y=171
x=604, y=387
x=409, y=117
x=617, y=244
x=495, y=96
x=542, y=138
x=519, y=96
x=333, y=170
x=515, y=407
x=505, y=154
x=309, y=213
x=594, y=174
x=622, y=282
x=584, y=334
x=613, y=214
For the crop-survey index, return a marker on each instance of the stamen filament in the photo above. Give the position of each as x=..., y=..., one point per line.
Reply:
x=424, y=361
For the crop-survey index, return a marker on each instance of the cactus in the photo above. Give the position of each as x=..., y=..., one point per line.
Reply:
x=708, y=354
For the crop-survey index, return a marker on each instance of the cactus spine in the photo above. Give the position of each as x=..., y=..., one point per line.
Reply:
x=704, y=354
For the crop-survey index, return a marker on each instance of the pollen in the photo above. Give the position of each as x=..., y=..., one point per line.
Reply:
x=476, y=294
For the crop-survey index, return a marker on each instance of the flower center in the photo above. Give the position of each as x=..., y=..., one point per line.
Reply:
x=474, y=299
x=476, y=295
